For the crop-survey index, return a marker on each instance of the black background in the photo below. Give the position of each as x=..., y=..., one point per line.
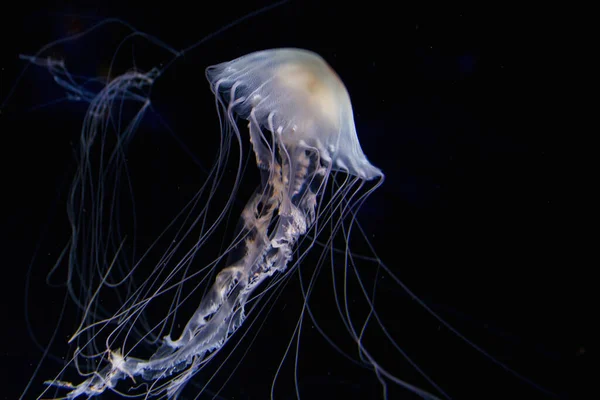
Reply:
x=443, y=104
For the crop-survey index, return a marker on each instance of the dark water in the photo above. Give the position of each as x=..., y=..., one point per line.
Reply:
x=466, y=217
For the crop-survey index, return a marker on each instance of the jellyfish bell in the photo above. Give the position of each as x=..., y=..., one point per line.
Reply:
x=295, y=94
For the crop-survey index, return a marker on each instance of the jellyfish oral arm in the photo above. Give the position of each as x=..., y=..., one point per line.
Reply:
x=274, y=218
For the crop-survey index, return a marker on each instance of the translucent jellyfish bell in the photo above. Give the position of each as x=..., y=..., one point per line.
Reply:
x=296, y=94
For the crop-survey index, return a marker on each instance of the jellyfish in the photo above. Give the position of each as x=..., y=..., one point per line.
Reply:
x=292, y=113
x=300, y=124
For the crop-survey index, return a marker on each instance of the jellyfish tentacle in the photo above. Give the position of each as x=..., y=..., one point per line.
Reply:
x=274, y=218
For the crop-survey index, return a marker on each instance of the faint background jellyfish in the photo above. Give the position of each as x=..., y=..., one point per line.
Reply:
x=155, y=197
